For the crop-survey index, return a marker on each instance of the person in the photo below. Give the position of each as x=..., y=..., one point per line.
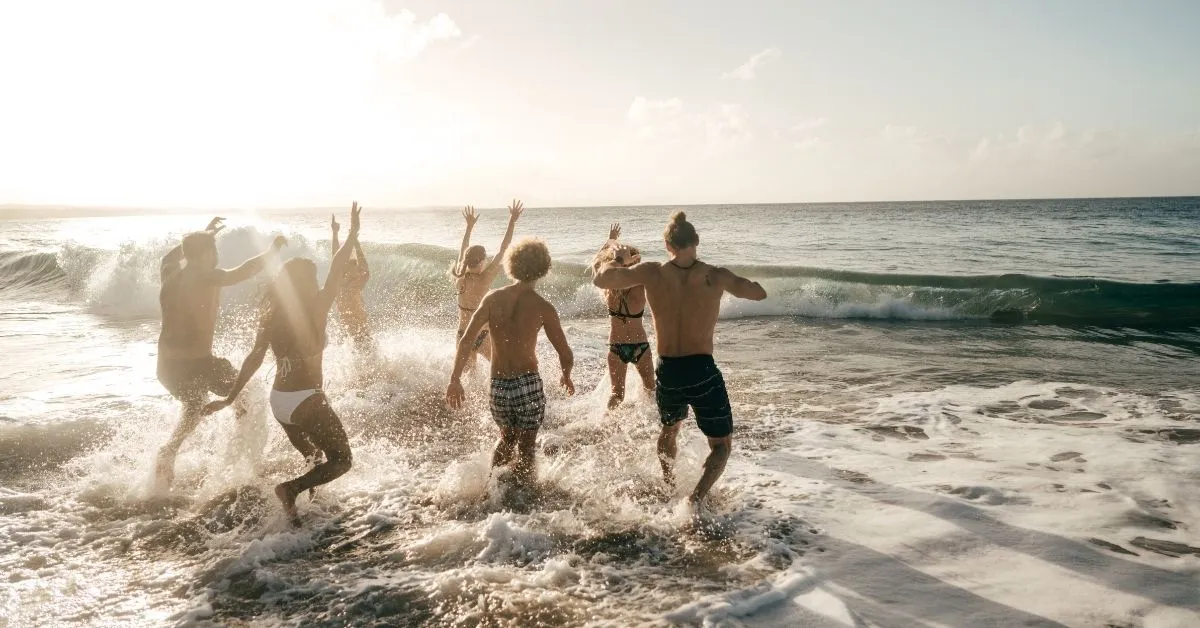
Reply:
x=350, y=306
x=190, y=298
x=514, y=314
x=293, y=327
x=685, y=294
x=474, y=275
x=628, y=343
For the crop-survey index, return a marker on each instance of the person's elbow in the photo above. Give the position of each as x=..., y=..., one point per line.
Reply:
x=600, y=279
x=760, y=293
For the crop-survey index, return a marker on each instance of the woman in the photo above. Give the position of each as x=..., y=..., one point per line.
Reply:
x=628, y=343
x=350, y=306
x=293, y=326
x=473, y=275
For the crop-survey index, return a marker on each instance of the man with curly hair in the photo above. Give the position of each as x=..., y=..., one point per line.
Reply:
x=685, y=296
x=514, y=315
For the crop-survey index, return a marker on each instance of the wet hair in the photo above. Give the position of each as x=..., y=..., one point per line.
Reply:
x=474, y=256
x=289, y=310
x=528, y=260
x=198, y=243
x=680, y=233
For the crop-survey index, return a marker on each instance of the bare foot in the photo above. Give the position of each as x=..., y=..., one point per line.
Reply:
x=615, y=400
x=288, y=498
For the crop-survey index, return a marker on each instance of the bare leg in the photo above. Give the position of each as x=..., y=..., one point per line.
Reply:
x=616, y=374
x=524, y=471
x=322, y=426
x=303, y=444
x=667, y=448
x=165, y=465
x=714, y=466
x=504, y=448
x=645, y=368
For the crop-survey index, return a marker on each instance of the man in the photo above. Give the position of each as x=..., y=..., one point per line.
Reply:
x=514, y=314
x=685, y=295
x=190, y=297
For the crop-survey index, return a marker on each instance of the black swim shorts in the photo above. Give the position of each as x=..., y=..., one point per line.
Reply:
x=695, y=381
x=190, y=380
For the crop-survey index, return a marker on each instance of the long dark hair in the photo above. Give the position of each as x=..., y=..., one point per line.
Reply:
x=288, y=315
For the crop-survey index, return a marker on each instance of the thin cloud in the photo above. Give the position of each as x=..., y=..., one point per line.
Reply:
x=810, y=125
x=748, y=70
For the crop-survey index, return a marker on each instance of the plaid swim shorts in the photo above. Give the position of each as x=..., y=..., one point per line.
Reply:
x=518, y=402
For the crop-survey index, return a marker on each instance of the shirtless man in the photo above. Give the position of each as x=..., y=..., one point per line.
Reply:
x=190, y=297
x=474, y=275
x=514, y=314
x=685, y=294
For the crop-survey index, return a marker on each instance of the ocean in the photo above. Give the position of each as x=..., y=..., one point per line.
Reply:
x=976, y=413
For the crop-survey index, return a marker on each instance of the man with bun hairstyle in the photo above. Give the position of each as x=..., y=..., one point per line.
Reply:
x=685, y=295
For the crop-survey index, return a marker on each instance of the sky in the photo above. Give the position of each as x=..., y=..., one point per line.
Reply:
x=403, y=103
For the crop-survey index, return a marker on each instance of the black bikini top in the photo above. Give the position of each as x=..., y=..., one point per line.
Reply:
x=622, y=312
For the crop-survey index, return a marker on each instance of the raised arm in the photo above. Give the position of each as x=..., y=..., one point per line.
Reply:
x=558, y=339
x=466, y=345
x=341, y=259
x=471, y=217
x=613, y=277
x=334, y=227
x=250, y=267
x=249, y=367
x=515, y=210
x=173, y=258
x=738, y=286
x=364, y=270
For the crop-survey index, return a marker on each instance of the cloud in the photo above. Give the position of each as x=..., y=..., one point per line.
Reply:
x=469, y=42
x=643, y=111
x=667, y=120
x=747, y=70
x=810, y=125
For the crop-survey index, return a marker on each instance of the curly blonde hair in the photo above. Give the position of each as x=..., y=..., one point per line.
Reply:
x=527, y=260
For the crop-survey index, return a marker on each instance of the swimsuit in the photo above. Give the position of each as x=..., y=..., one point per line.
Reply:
x=629, y=353
x=284, y=403
x=622, y=312
x=695, y=381
x=518, y=402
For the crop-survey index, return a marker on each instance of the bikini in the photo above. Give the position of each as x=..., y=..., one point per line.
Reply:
x=629, y=353
x=285, y=402
x=482, y=335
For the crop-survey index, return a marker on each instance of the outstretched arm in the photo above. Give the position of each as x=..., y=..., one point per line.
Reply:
x=249, y=368
x=341, y=259
x=466, y=345
x=514, y=212
x=613, y=277
x=250, y=267
x=362, y=259
x=333, y=241
x=471, y=217
x=558, y=339
x=740, y=287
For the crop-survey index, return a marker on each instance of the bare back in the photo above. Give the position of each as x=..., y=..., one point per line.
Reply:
x=189, y=303
x=472, y=287
x=630, y=301
x=515, y=315
x=686, y=303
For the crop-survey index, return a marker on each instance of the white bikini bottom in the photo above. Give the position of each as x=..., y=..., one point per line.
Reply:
x=283, y=404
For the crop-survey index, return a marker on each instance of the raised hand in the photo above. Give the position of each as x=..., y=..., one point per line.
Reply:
x=568, y=384
x=215, y=225
x=217, y=406
x=515, y=209
x=470, y=215
x=333, y=223
x=455, y=394
x=614, y=231
x=355, y=212
x=278, y=243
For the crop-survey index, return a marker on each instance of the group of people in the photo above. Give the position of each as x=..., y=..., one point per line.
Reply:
x=501, y=325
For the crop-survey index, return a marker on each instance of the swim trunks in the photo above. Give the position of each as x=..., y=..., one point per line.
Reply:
x=695, y=381
x=192, y=379
x=518, y=402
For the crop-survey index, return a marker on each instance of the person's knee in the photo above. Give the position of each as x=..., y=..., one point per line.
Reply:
x=721, y=446
x=340, y=459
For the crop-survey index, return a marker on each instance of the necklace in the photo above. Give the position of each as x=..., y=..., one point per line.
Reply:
x=688, y=267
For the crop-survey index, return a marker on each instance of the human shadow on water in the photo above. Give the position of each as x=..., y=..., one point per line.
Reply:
x=1170, y=588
